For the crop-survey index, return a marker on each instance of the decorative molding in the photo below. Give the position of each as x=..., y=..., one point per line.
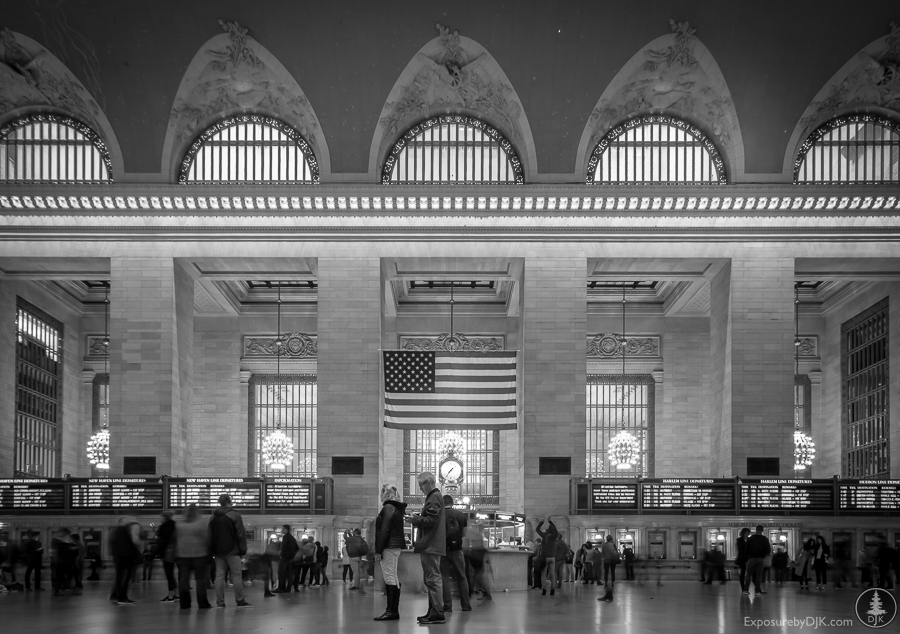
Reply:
x=808, y=346
x=608, y=345
x=297, y=345
x=97, y=346
x=637, y=122
x=218, y=126
x=418, y=129
x=452, y=343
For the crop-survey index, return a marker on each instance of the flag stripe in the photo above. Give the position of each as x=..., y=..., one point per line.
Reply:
x=426, y=390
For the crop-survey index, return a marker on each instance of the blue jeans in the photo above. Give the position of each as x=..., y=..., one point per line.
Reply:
x=454, y=564
x=431, y=571
x=232, y=562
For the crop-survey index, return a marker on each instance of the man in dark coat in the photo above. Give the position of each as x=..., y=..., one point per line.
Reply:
x=229, y=544
x=289, y=548
x=431, y=544
x=454, y=563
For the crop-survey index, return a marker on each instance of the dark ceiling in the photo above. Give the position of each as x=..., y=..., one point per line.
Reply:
x=559, y=57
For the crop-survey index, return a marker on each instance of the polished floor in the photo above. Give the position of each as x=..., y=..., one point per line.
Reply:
x=688, y=607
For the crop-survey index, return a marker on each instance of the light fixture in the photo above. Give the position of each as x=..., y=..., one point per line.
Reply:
x=451, y=444
x=277, y=448
x=624, y=448
x=804, y=447
x=98, y=444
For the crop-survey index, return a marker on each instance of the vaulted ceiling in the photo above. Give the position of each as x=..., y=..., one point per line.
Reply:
x=558, y=56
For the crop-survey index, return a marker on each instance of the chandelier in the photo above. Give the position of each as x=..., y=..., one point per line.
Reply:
x=804, y=447
x=277, y=448
x=98, y=444
x=451, y=444
x=624, y=448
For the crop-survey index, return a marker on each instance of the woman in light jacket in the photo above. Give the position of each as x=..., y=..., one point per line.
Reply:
x=389, y=541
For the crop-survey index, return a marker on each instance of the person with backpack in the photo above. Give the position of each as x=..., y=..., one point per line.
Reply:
x=568, y=570
x=548, y=553
x=454, y=563
x=357, y=549
x=389, y=541
x=229, y=544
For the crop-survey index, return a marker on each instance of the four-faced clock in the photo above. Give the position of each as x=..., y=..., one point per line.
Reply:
x=450, y=471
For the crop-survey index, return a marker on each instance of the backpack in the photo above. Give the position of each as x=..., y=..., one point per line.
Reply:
x=363, y=548
x=454, y=533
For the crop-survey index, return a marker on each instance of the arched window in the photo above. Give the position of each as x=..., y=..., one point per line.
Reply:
x=452, y=150
x=249, y=149
x=51, y=148
x=853, y=149
x=655, y=149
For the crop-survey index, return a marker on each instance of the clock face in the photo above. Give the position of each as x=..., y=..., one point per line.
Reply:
x=451, y=470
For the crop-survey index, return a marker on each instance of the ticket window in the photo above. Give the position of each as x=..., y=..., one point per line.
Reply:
x=718, y=540
x=870, y=544
x=301, y=534
x=596, y=536
x=92, y=540
x=626, y=539
x=656, y=545
x=780, y=540
x=687, y=545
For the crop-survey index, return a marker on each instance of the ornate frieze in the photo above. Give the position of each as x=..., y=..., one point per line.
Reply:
x=97, y=346
x=456, y=342
x=296, y=345
x=808, y=346
x=609, y=345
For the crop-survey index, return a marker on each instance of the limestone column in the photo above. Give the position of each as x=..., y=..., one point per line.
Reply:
x=349, y=330
x=554, y=320
x=752, y=333
x=151, y=365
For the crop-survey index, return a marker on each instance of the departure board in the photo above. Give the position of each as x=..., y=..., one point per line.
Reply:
x=687, y=494
x=614, y=495
x=246, y=493
x=787, y=495
x=288, y=493
x=870, y=495
x=28, y=495
x=115, y=494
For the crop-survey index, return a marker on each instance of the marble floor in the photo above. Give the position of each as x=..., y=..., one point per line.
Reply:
x=688, y=607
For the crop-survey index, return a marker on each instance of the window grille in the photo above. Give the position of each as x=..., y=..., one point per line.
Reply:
x=249, y=149
x=655, y=149
x=612, y=399
x=100, y=402
x=453, y=150
x=288, y=399
x=853, y=149
x=481, y=463
x=803, y=403
x=38, y=393
x=52, y=149
x=864, y=417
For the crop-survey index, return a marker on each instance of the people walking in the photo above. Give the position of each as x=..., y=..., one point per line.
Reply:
x=63, y=552
x=286, y=554
x=579, y=562
x=741, y=560
x=820, y=562
x=389, y=541
x=587, y=557
x=124, y=545
x=229, y=543
x=611, y=559
x=477, y=558
x=165, y=546
x=804, y=563
x=191, y=542
x=758, y=548
x=453, y=563
x=548, y=553
x=345, y=564
x=80, y=555
x=780, y=562
x=431, y=545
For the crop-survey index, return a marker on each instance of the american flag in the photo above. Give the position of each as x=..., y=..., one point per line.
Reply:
x=449, y=390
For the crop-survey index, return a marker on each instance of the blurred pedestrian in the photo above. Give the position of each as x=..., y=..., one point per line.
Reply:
x=453, y=563
x=124, y=544
x=191, y=543
x=820, y=562
x=165, y=546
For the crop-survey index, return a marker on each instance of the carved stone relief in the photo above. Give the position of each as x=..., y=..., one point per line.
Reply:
x=808, y=346
x=675, y=74
x=97, y=346
x=872, y=78
x=609, y=345
x=452, y=74
x=234, y=73
x=296, y=345
x=30, y=75
x=456, y=342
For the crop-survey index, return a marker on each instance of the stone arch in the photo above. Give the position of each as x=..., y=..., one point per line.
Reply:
x=869, y=83
x=452, y=75
x=234, y=74
x=34, y=81
x=673, y=75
